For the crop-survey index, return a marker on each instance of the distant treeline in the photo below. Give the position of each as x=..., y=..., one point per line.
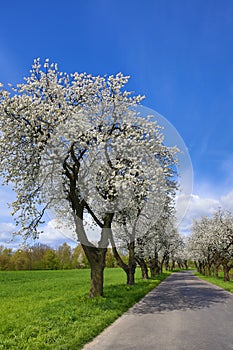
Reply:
x=43, y=257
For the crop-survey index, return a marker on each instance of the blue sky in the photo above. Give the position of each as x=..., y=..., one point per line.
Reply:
x=179, y=54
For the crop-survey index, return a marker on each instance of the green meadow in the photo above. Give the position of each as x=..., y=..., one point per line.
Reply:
x=218, y=281
x=52, y=310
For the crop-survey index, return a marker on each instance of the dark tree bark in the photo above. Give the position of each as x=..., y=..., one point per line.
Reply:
x=155, y=268
x=167, y=267
x=152, y=271
x=164, y=259
x=96, y=259
x=144, y=268
x=186, y=264
x=201, y=267
x=153, y=263
x=208, y=269
x=226, y=270
x=216, y=266
x=95, y=255
x=179, y=264
x=131, y=266
x=131, y=275
x=132, y=263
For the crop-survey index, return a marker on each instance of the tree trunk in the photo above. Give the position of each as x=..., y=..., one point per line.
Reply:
x=201, y=268
x=143, y=267
x=163, y=261
x=167, y=267
x=131, y=267
x=95, y=255
x=216, y=266
x=96, y=259
x=226, y=270
x=155, y=269
x=152, y=270
x=153, y=264
x=130, y=276
x=208, y=268
x=173, y=264
x=132, y=264
x=97, y=281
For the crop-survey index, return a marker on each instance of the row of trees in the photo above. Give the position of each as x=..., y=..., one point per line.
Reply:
x=161, y=246
x=76, y=144
x=44, y=257
x=211, y=243
x=39, y=257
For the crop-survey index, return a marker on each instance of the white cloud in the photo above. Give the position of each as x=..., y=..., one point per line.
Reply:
x=51, y=236
x=204, y=205
x=227, y=201
x=55, y=234
x=6, y=237
x=6, y=230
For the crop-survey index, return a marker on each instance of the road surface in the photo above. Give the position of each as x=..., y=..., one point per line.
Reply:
x=182, y=313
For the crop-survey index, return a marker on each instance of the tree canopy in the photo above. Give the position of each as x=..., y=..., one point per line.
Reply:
x=76, y=144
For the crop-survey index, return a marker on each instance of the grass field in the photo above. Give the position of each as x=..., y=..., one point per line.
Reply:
x=217, y=281
x=51, y=309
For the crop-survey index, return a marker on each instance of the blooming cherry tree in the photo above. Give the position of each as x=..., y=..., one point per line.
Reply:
x=74, y=144
x=211, y=243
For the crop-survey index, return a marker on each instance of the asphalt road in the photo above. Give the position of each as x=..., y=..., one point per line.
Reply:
x=182, y=313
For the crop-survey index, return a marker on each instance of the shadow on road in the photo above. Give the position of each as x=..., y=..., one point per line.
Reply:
x=180, y=291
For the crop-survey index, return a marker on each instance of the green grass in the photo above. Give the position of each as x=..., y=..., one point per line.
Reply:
x=51, y=309
x=217, y=281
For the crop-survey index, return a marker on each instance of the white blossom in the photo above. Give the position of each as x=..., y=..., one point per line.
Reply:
x=71, y=141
